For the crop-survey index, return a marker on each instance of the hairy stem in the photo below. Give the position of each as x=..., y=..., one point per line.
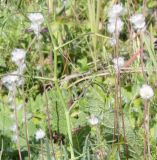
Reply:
x=145, y=131
x=16, y=119
x=26, y=131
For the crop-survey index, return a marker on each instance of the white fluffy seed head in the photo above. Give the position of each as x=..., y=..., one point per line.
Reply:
x=18, y=56
x=36, y=28
x=12, y=80
x=118, y=62
x=36, y=18
x=146, y=92
x=138, y=21
x=93, y=120
x=115, y=11
x=115, y=25
x=40, y=134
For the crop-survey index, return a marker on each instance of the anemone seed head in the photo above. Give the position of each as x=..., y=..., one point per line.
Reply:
x=18, y=56
x=93, y=120
x=36, y=18
x=118, y=62
x=115, y=25
x=138, y=21
x=40, y=134
x=146, y=92
x=115, y=11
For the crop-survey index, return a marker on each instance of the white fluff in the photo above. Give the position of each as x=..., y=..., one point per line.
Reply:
x=18, y=56
x=36, y=18
x=138, y=21
x=146, y=92
x=115, y=25
x=115, y=11
x=36, y=28
x=118, y=62
x=112, y=41
x=93, y=120
x=40, y=134
x=12, y=80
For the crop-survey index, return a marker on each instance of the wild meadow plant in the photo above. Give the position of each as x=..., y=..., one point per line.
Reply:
x=78, y=80
x=11, y=82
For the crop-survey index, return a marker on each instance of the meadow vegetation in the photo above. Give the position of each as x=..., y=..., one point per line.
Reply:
x=78, y=80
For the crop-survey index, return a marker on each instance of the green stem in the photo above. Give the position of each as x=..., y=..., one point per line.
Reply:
x=67, y=116
x=94, y=10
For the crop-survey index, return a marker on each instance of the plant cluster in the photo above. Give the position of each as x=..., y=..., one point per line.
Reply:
x=78, y=80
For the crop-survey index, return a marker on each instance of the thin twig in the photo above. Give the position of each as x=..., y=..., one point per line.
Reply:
x=123, y=122
x=148, y=134
x=26, y=130
x=41, y=145
x=145, y=131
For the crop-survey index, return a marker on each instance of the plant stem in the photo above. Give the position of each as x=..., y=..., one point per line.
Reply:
x=47, y=107
x=26, y=130
x=41, y=145
x=49, y=122
x=123, y=120
x=145, y=131
x=94, y=9
x=147, y=127
x=25, y=122
x=146, y=112
x=16, y=119
x=50, y=6
x=67, y=116
x=148, y=135
x=66, y=111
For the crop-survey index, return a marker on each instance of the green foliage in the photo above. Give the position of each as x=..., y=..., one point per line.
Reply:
x=69, y=73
